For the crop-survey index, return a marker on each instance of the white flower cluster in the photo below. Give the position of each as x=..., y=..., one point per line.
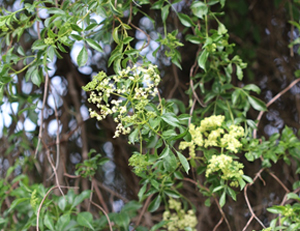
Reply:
x=128, y=91
x=179, y=220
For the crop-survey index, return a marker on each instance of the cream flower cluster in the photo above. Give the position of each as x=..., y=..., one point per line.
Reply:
x=179, y=220
x=128, y=91
x=210, y=133
x=231, y=170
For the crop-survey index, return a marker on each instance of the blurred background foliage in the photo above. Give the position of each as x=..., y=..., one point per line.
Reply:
x=262, y=34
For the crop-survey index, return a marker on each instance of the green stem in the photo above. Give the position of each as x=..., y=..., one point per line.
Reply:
x=230, y=111
x=23, y=69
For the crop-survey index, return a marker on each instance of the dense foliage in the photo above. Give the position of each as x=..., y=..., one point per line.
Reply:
x=135, y=115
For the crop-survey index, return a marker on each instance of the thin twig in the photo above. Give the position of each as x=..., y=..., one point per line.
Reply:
x=57, y=138
x=112, y=192
x=222, y=213
x=41, y=204
x=292, y=28
x=103, y=211
x=272, y=101
x=53, y=167
x=257, y=175
x=195, y=65
x=279, y=181
x=42, y=113
x=285, y=196
x=176, y=81
x=219, y=223
x=192, y=110
x=251, y=210
x=71, y=176
x=99, y=195
x=143, y=211
x=148, y=36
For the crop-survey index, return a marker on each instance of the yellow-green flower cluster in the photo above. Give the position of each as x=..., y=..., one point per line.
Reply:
x=197, y=139
x=231, y=170
x=49, y=41
x=131, y=90
x=211, y=133
x=34, y=199
x=211, y=123
x=230, y=141
x=4, y=28
x=139, y=162
x=179, y=219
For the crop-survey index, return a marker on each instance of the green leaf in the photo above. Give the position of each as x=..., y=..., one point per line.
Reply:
x=247, y=178
x=94, y=45
x=231, y=193
x=131, y=206
x=165, y=152
x=127, y=40
x=239, y=72
x=76, y=28
x=114, y=10
x=170, y=118
x=153, y=206
x=170, y=162
x=115, y=35
x=142, y=191
x=38, y=45
x=20, y=50
x=193, y=39
x=297, y=73
x=56, y=11
x=185, y=20
x=216, y=189
x=222, y=200
x=222, y=29
x=202, y=59
x=48, y=221
x=157, y=5
x=82, y=57
x=242, y=183
x=165, y=13
x=199, y=9
x=276, y=209
x=117, y=65
x=134, y=136
x=36, y=78
x=116, y=53
x=91, y=26
x=159, y=225
x=184, y=162
x=293, y=196
x=63, y=222
x=235, y=96
x=62, y=202
x=252, y=87
x=16, y=202
x=222, y=2
x=85, y=219
x=172, y=193
x=122, y=219
x=76, y=37
x=256, y=103
x=79, y=198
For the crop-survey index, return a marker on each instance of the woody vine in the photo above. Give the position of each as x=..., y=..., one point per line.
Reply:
x=204, y=143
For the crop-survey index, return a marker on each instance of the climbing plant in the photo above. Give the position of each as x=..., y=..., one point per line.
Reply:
x=201, y=138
